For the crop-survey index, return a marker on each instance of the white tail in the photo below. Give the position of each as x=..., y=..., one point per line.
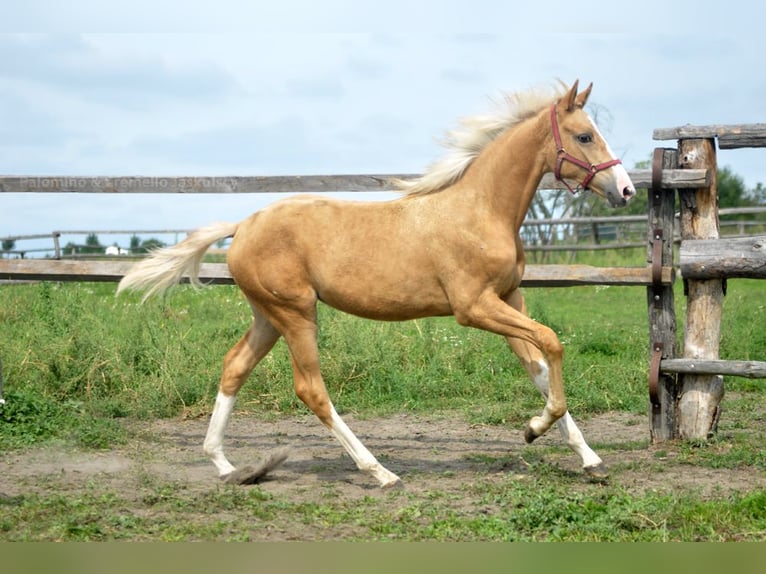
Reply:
x=166, y=266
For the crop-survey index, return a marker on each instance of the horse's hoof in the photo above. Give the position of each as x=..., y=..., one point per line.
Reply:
x=244, y=475
x=254, y=474
x=530, y=435
x=393, y=485
x=597, y=471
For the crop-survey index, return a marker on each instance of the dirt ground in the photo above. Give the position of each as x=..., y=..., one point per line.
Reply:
x=429, y=453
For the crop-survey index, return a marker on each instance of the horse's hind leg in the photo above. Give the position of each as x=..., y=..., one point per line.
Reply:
x=300, y=335
x=237, y=366
x=537, y=368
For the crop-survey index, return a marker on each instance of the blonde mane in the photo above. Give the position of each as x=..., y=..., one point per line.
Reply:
x=475, y=133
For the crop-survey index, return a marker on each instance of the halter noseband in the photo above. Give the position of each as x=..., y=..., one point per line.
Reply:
x=563, y=156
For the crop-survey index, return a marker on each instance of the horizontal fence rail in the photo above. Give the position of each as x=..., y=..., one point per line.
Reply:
x=729, y=136
x=723, y=258
x=621, y=224
x=218, y=273
x=91, y=270
x=746, y=369
x=642, y=178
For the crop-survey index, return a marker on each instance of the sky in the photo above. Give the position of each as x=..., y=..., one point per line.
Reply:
x=333, y=87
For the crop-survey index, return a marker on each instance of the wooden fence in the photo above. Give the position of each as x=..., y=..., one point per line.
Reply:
x=684, y=391
x=66, y=270
x=565, y=234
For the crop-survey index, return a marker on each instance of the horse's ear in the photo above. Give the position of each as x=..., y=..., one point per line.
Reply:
x=570, y=98
x=582, y=97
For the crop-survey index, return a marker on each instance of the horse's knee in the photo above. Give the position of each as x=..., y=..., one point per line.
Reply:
x=550, y=344
x=557, y=408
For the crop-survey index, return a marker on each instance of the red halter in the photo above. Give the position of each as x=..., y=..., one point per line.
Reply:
x=563, y=156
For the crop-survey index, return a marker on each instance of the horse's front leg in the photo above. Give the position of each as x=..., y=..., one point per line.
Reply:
x=493, y=314
x=539, y=372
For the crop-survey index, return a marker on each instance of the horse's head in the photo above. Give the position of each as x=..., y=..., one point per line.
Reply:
x=582, y=154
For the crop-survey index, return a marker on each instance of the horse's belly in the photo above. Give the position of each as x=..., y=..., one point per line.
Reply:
x=386, y=302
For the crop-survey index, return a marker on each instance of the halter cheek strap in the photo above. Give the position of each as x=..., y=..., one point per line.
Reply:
x=563, y=156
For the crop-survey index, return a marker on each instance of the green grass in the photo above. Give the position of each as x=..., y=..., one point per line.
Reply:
x=75, y=349
x=77, y=361
x=543, y=508
x=76, y=358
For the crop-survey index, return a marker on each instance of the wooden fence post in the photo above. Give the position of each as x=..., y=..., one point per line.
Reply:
x=700, y=394
x=663, y=387
x=56, y=246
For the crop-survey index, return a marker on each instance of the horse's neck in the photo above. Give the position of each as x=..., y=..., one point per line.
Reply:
x=506, y=175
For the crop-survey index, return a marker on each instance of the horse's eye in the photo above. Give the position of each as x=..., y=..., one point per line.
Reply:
x=585, y=138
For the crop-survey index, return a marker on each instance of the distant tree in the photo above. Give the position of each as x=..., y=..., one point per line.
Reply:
x=92, y=245
x=732, y=192
x=9, y=244
x=758, y=194
x=151, y=244
x=731, y=189
x=145, y=246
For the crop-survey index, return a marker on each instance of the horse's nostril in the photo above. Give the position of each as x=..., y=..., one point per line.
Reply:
x=628, y=192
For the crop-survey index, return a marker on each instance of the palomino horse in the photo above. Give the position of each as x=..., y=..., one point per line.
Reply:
x=449, y=246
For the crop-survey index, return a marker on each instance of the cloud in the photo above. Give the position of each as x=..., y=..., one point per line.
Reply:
x=74, y=103
x=463, y=76
x=367, y=68
x=239, y=104
x=316, y=87
x=24, y=124
x=78, y=66
x=284, y=146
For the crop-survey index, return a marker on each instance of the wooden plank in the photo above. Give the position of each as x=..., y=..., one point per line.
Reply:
x=26, y=237
x=608, y=219
x=725, y=257
x=642, y=179
x=573, y=275
x=740, y=141
x=217, y=184
x=746, y=369
x=574, y=247
x=90, y=270
x=700, y=394
x=661, y=306
x=217, y=273
x=584, y=246
x=671, y=178
x=276, y=184
x=741, y=210
x=729, y=136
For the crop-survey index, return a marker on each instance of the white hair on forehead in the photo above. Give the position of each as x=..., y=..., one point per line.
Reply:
x=600, y=135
